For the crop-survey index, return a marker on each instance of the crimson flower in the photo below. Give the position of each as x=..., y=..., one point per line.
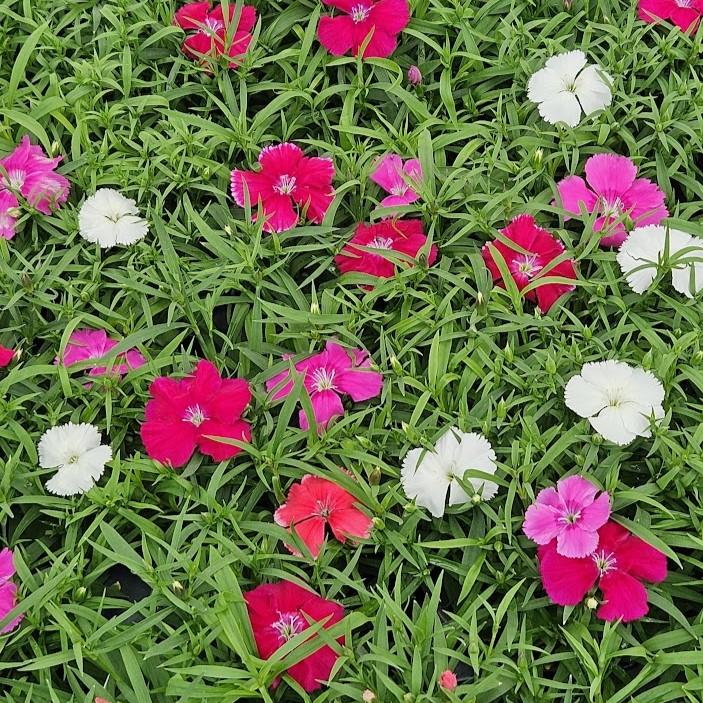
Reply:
x=211, y=31
x=278, y=612
x=382, y=19
x=402, y=236
x=618, y=566
x=685, y=14
x=540, y=249
x=192, y=412
x=316, y=502
x=286, y=178
x=6, y=356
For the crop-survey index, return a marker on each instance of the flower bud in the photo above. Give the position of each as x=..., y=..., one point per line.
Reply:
x=176, y=586
x=228, y=230
x=375, y=476
x=368, y=696
x=591, y=603
x=447, y=680
x=414, y=75
x=314, y=308
x=538, y=156
x=395, y=364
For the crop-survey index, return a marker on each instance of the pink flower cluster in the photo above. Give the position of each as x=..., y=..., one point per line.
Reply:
x=580, y=548
x=27, y=172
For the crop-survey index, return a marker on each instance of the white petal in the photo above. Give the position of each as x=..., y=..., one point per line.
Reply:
x=108, y=218
x=447, y=445
x=687, y=277
x=567, y=64
x=592, y=90
x=424, y=480
x=585, y=399
x=644, y=388
x=609, y=424
x=562, y=107
x=477, y=453
x=68, y=481
x=607, y=375
x=59, y=443
x=457, y=495
x=544, y=84
x=640, y=254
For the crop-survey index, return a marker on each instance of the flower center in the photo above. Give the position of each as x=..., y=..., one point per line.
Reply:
x=195, y=415
x=684, y=3
x=359, y=13
x=15, y=179
x=323, y=379
x=571, y=518
x=72, y=459
x=605, y=561
x=526, y=265
x=611, y=208
x=288, y=625
x=399, y=190
x=213, y=25
x=381, y=243
x=285, y=184
x=323, y=508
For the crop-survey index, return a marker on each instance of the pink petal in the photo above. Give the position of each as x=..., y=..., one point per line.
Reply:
x=169, y=442
x=8, y=601
x=219, y=451
x=192, y=15
x=360, y=384
x=574, y=542
x=7, y=565
x=391, y=16
x=231, y=400
x=410, y=196
x=575, y=196
x=314, y=192
x=280, y=159
x=350, y=522
x=541, y=523
x=595, y=515
x=641, y=560
x=624, y=597
x=312, y=532
x=279, y=214
x=199, y=45
x=251, y=185
x=566, y=580
x=336, y=34
x=645, y=201
x=325, y=405
x=388, y=173
x=610, y=175
x=381, y=45
x=45, y=190
x=576, y=492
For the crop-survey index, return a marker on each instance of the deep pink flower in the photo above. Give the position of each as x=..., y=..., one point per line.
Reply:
x=396, y=177
x=403, y=236
x=383, y=19
x=327, y=376
x=86, y=344
x=8, y=590
x=616, y=195
x=571, y=514
x=30, y=172
x=286, y=178
x=6, y=356
x=542, y=248
x=191, y=412
x=8, y=213
x=685, y=14
x=448, y=680
x=316, y=502
x=618, y=566
x=278, y=612
x=210, y=31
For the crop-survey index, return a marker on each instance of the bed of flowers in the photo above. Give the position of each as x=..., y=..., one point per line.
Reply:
x=351, y=350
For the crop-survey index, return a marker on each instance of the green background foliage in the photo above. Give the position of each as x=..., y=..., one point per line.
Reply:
x=105, y=83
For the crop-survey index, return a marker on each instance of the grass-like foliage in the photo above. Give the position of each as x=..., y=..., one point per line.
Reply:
x=133, y=591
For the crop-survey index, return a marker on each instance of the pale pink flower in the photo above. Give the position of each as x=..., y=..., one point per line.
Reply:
x=448, y=680
x=611, y=189
x=8, y=214
x=572, y=514
x=397, y=177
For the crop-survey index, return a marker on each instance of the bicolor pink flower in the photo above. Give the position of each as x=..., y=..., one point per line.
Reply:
x=286, y=179
x=8, y=590
x=209, y=31
x=315, y=503
x=402, y=236
x=6, y=356
x=571, y=514
x=397, y=177
x=195, y=412
x=30, y=172
x=9, y=210
x=685, y=14
x=334, y=372
x=617, y=567
x=280, y=611
x=540, y=250
x=383, y=20
x=612, y=190
x=87, y=344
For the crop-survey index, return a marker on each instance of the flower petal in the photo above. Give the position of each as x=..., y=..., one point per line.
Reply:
x=625, y=598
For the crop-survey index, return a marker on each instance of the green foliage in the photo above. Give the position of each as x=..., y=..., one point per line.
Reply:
x=104, y=84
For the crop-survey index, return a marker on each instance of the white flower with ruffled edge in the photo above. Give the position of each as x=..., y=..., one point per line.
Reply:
x=427, y=476
x=109, y=218
x=618, y=399
x=645, y=250
x=77, y=455
x=567, y=87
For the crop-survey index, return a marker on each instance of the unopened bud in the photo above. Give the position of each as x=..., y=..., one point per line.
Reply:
x=538, y=156
x=314, y=308
x=395, y=364
x=375, y=476
x=414, y=75
x=591, y=603
x=81, y=592
x=228, y=230
x=176, y=586
x=368, y=696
